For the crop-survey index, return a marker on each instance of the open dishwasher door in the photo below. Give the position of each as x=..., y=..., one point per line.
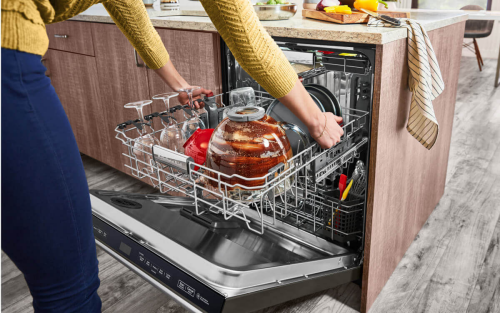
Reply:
x=210, y=264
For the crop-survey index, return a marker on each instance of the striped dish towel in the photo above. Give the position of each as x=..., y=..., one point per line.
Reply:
x=425, y=81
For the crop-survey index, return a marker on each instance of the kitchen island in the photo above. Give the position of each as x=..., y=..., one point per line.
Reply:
x=405, y=180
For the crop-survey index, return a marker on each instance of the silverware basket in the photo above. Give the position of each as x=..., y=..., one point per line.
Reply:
x=294, y=193
x=347, y=217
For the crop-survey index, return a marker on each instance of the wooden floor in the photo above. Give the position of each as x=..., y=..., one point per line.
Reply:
x=452, y=266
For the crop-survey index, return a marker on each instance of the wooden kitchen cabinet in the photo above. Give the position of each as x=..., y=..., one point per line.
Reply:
x=406, y=181
x=95, y=73
x=71, y=37
x=196, y=56
x=74, y=77
x=121, y=81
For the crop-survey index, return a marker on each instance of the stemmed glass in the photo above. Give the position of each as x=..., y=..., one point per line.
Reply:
x=143, y=145
x=171, y=136
x=193, y=121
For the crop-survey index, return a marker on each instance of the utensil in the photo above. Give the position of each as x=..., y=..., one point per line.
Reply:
x=342, y=185
x=274, y=12
x=196, y=146
x=385, y=18
x=248, y=143
x=346, y=191
x=359, y=179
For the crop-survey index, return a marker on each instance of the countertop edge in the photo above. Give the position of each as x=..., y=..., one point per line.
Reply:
x=290, y=32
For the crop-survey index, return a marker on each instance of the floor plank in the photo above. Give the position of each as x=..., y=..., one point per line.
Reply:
x=146, y=298
x=486, y=295
x=439, y=270
x=9, y=269
x=453, y=265
x=14, y=291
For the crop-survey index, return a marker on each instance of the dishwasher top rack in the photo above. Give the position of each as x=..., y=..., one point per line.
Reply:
x=285, y=190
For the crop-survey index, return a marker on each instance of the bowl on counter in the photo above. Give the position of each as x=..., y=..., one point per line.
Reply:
x=275, y=12
x=310, y=4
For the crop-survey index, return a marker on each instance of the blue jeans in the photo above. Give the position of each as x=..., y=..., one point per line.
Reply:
x=46, y=214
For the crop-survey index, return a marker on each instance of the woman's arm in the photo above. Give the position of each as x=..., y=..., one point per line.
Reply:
x=132, y=19
x=260, y=57
x=323, y=127
x=172, y=78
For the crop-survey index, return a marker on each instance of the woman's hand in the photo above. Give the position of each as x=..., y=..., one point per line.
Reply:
x=172, y=78
x=302, y=105
x=183, y=97
x=328, y=133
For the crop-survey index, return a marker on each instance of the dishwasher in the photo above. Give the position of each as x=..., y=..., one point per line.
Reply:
x=212, y=252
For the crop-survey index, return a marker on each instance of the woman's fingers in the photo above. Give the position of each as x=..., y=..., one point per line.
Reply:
x=338, y=119
x=332, y=132
x=183, y=97
x=206, y=91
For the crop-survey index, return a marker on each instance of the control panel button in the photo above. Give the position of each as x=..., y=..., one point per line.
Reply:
x=186, y=288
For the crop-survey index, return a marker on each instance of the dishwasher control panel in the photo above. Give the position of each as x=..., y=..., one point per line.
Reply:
x=166, y=273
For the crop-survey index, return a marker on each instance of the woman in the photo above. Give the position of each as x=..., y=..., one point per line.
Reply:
x=46, y=222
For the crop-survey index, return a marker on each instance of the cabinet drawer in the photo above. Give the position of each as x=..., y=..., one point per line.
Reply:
x=71, y=36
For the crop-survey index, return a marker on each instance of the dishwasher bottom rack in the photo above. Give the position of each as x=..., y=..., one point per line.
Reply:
x=295, y=193
x=324, y=216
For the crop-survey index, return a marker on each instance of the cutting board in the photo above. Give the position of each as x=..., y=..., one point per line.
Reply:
x=354, y=18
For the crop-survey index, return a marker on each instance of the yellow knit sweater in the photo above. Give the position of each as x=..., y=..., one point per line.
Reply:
x=23, y=29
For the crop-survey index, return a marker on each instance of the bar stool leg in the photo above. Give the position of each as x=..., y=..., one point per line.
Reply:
x=498, y=70
x=478, y=54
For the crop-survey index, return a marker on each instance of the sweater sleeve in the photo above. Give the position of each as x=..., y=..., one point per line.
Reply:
x=133, y=20
x=251, y=45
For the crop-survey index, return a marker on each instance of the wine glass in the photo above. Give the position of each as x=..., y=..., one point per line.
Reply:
x=165, y=97
x=171, y=136
x=143, y=145
x=193, y=121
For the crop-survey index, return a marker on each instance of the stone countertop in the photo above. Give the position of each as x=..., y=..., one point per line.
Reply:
x=191, y=16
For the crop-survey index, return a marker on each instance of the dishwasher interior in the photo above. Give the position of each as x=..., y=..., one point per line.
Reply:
x=219, y=249
x=347, y=71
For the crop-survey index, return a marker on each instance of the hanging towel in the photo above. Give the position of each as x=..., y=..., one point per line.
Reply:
x=425, y=81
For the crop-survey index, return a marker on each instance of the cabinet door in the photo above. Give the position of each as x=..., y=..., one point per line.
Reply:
x=71, y=36
x=195, y=55
x=74, y=77
x=121, y=81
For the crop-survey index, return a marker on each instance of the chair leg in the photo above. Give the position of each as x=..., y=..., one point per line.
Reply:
x=478, y=54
